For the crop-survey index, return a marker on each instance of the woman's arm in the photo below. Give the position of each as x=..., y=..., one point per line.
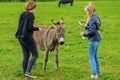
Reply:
x=91, y=29
x=30, y=24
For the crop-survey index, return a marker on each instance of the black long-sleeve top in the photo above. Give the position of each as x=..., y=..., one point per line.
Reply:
x=25, y=26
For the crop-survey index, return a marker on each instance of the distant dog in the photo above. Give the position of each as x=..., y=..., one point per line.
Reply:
x=65, y=2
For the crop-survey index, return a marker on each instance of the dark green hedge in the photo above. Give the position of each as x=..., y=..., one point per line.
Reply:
x=47, y=0
x=24, y=0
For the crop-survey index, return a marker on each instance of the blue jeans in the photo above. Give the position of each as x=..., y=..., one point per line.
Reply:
x=93, y=57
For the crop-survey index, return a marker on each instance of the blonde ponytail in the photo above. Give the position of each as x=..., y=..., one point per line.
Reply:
x=90, y=9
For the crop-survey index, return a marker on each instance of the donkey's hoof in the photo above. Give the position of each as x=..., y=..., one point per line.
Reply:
x=44, y=69
x=57, y=70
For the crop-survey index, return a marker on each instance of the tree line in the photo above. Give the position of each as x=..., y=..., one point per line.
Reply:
x=33, y=0
x=44, y=0
x=24, y=0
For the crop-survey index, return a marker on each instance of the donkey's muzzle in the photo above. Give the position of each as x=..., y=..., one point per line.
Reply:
x=61, y=43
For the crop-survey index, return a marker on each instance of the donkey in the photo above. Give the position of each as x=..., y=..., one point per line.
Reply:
x=49, y=39
x=65, y=2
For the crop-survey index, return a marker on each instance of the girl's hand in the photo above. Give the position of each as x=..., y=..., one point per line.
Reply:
x=82, y=24
x=39, y=28
x=81, y=34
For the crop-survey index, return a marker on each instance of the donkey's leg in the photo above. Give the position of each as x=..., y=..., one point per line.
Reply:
x=71, y=3
x=59, y=4
x=45, y=60
x=56, y=57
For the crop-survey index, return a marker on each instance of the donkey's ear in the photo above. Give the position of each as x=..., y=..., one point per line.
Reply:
x=62, y=21
x=53, y=21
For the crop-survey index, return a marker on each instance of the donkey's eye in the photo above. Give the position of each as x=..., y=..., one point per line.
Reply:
x=57, y=31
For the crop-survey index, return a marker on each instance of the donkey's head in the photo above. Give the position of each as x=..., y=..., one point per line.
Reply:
x=59, y=31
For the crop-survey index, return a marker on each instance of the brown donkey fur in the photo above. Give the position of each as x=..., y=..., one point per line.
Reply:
x=49, y=39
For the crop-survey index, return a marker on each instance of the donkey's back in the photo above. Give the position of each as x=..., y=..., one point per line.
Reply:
x=39, y=37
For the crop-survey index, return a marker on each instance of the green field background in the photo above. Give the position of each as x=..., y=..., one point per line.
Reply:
x=73, y=55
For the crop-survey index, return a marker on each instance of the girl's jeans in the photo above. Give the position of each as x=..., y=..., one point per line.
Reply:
x=93, y=57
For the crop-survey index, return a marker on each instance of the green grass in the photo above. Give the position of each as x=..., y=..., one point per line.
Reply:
x=73, y=55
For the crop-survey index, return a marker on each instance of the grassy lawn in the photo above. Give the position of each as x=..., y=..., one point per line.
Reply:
x=73, y=55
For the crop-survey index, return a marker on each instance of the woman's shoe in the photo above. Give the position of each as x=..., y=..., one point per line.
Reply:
x=29, y=75
x=94, y=76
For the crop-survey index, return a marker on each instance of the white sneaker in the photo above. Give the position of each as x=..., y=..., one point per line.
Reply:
x=29, y=75
x=94, y=76
x=99, y=74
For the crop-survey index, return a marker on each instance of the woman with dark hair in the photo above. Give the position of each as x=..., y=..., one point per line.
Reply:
x=25, y=37
x=93, y=33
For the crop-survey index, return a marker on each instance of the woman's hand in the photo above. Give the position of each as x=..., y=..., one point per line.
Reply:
x=39, y=28
x=81, y=34
x=82, y=24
